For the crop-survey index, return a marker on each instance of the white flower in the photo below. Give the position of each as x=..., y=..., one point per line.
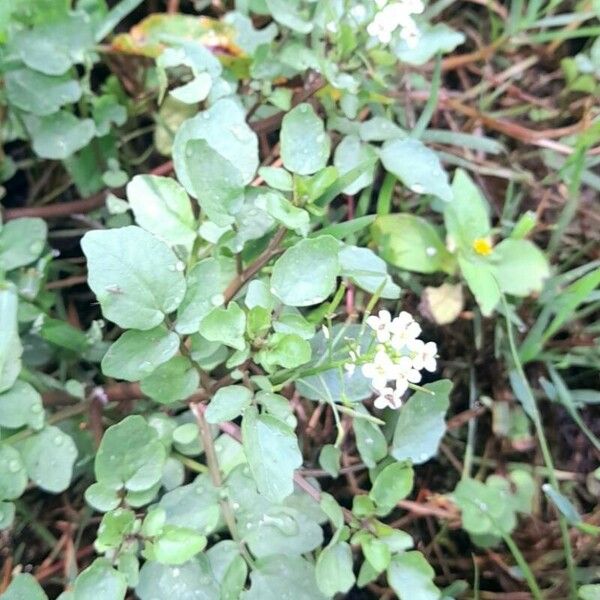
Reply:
x=404, y=329
x=424, y=355
x=410, y=33
x=381, y=30
x=381, y=325
x=380, y=371
x=415, y=7
x=389, y=397
x=405, y=374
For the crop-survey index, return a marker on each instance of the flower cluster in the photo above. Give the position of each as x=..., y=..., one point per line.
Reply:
x=396, y=15
x=400, y=357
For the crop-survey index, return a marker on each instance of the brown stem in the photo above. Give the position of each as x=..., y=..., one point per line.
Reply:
x=238, y=282
x=215, y=474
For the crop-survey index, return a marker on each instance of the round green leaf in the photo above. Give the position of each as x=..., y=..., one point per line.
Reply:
x=334, y=569
x=228, y=403
x=177, y=379
x=412, y=243
x=225, y=325
x=21, y=242
x=21, y=406
x=136, y=277
x=14, y=477
x=61, y=134
x=271, y=448
x=101, y=582
x=350, y=153
x=306, y=273
x=24, y=587
x=223, y=127
x=49, y=457
x=411, y=577
x=305, y=146
x=40, y=94
x=162, y=207
x=421, y=425
x=417, y=167
x=136, y=354
x=130, y=455
x=393, y=484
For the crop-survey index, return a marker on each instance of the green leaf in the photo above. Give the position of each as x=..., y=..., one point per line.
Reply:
x=366, y=270
x=175, y=545
x=412, y=243
x=225, y=325
x=421, y=425
x=271, y=448
x=334, y=569
x=305, y=146
x=520, y=267
x=223, y=127
x=192, y=581
x=589, y=591
x=276, y=577
x=206, y=281
x=288, y=350
x=40, y=94
x=136, y=354
x=130, y=455
x=370, y=442
x=10, y=344
x=234, y=576
x=467, y=216
x=306, y=273
x=277, y=178
x=228, y=403
x=7, y=514
x=432, y=39
x=246, y=36
x=417, y=167
x=174, y=380
x=101, y=582
x=24, y=587
x=115, y=525
x=214, y=181
x=101, y=497
x=289, y=14
x=481, y=280
x=14, y=478
x=411, y=577
x=134, y=276
x=21, y=406
x=351, y=153
x=195, y=505
x=392, y=484
x=52, y=48
x=60, y=135
x=162, y=207
x=49, y=457
x=329, y=459
x=485, y=509
x=376, y=552
x=21, y=242
x=283, y=211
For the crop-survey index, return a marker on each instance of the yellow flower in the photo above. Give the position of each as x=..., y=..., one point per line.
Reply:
x=482, y=246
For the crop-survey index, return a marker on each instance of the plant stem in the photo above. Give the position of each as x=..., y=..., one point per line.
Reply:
x=527, y=573
x=539, y=428
x=215, y=474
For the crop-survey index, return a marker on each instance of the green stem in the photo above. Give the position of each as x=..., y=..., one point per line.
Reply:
x=537, y=421
x=527, y=573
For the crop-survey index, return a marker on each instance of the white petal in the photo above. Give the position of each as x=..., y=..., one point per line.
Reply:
x=379, y=382
x=381, y=402
x=401, y=385
x=416, y=345
x=385, y=317
x=413, y=376
x=431, y=348
x=369, y=370
x=373, y=322
x=413, y=330
x=430, y=364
